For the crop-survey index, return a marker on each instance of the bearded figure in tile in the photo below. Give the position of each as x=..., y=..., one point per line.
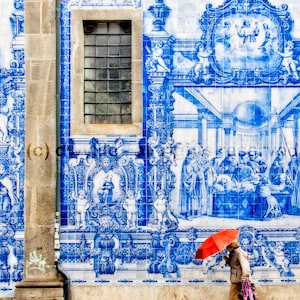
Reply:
x=193, y=194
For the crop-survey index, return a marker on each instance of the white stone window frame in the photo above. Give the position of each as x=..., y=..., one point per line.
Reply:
x=78, y=127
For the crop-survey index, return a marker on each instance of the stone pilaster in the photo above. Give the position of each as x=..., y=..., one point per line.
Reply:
x=41, y=278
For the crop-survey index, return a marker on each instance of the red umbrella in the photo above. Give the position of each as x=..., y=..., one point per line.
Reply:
x=216, y=243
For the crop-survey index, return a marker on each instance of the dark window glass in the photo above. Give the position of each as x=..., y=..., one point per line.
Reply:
x=107, y=72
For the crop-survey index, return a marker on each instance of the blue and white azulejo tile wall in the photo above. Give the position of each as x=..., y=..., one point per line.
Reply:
x=219, y=149
x=12, y=112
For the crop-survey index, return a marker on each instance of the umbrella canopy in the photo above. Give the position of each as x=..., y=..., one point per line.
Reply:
x=216, y=243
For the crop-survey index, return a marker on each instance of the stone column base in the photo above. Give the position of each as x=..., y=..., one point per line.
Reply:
x=42, y=290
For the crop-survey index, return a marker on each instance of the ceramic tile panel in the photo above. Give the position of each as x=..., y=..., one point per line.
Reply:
x=220, y=149
x=240, y=101
x=12, y=108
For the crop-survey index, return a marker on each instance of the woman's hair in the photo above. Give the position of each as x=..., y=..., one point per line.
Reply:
x=234, y=244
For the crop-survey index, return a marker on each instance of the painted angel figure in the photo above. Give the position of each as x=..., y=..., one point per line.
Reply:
x=288, y=62
x=156, y=61
x=82, y=205
x=203, y=62
x=201, y=68
x=280, y=260
x=161, y=205
x=168, y=151
x=130, y=205
x=164, y=215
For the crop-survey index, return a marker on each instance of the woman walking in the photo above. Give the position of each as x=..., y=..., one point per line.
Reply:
x=238, y=260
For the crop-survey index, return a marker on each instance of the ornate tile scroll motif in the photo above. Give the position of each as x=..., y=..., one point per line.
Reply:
x=245, y=43
x=104, y=199
x=12, y=107
x=160, y=123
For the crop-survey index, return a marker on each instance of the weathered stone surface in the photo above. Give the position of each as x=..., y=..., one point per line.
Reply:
x=269, y=292
x=41, y=277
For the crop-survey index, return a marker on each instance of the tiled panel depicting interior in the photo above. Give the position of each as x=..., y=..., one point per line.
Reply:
x=219, y=150
x=12, y=107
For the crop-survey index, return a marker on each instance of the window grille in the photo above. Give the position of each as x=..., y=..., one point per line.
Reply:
x=107, y=72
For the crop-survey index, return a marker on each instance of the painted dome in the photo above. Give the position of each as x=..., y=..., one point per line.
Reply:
x=250, y=113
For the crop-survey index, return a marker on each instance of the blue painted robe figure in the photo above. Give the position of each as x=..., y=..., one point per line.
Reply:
x=278, y=167
x=4, y=267
x=193, y=194
x=106, y=191
x=5, y=203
